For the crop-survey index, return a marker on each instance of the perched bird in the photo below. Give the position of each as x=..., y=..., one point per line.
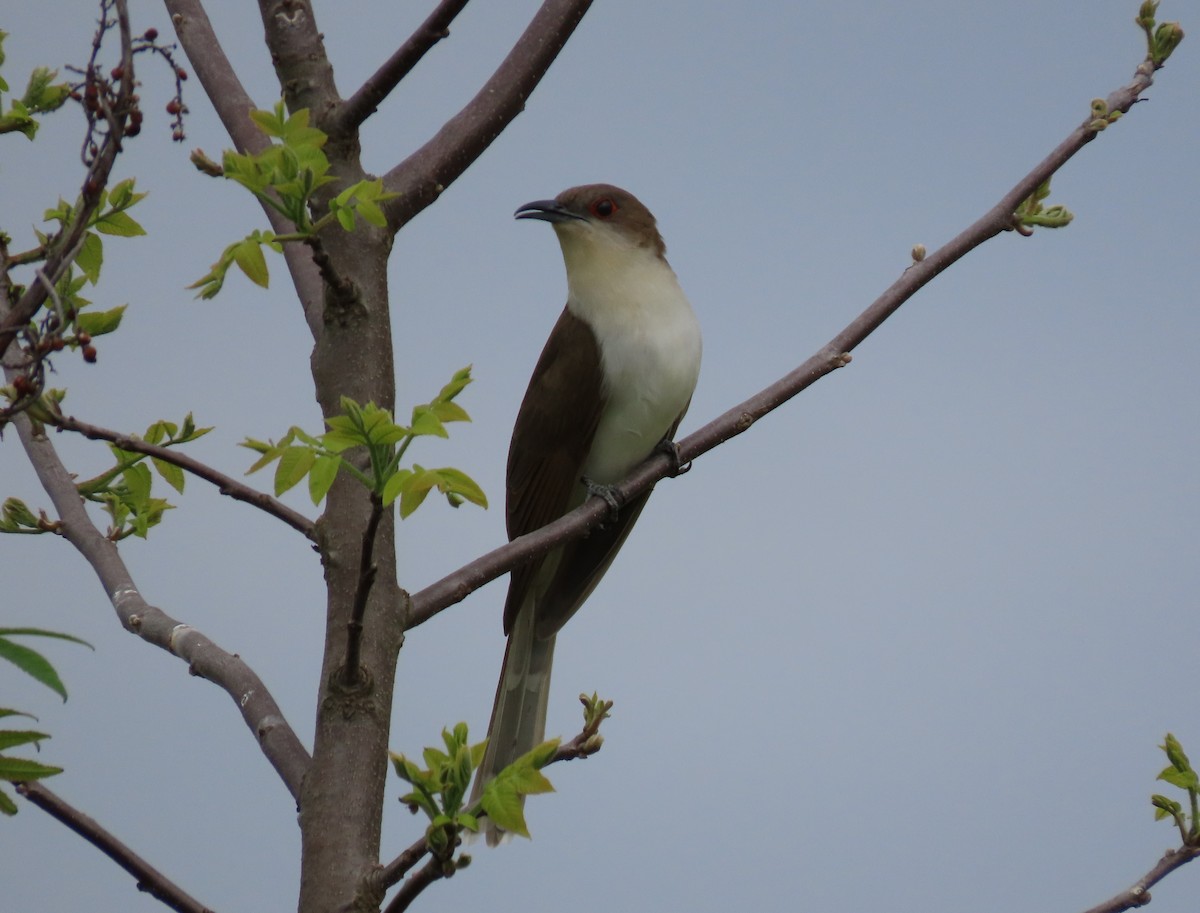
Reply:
x=612, y=384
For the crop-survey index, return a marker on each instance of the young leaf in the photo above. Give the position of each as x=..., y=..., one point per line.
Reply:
x=322, y=475
x=32, y=663
x=97, y=324
x=17, y=769
x=10, y=738
x=294, y=464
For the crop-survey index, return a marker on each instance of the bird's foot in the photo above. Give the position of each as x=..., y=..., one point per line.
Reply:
x=671, y=449
x=608, y=493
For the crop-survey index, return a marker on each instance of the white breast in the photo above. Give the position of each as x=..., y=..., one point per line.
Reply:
x=650, y=351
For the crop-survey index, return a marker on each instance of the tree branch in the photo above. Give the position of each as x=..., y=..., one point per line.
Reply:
x=226, y=485
x=417, y=882
x=149, y=879
x=422, y=177
x=1139, y=894
x=233, y=105
x=455, y=587
x=363, y=103
x=204, y=658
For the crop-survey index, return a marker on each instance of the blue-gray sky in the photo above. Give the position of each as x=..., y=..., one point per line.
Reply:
x=909, y=644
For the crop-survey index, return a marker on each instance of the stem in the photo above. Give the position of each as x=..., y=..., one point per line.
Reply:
x=352, y=668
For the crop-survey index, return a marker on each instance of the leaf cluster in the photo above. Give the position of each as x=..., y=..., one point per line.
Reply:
x=1032, y=213
x=42, y=95
x=16, y=769
x=1179, y=773
x=440, y=787
x=125, y=489
x=286, y=177
x=300, y=455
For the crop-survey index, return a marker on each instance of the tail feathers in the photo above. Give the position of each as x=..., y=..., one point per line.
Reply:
x=519, y=713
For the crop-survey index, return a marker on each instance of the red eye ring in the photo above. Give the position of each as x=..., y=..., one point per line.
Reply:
x=603, y=208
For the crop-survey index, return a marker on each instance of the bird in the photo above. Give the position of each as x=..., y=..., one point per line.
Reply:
x=611, y=386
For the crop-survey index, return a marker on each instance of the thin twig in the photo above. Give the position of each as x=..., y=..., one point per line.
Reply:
x=64, y=247
x=363, y=103
x=149, y=879
x=351, y=672
x=422, y=177
x=417, y=882
x=1139, y=894
x=262, y=715
x=225, y=485
x=455, y=587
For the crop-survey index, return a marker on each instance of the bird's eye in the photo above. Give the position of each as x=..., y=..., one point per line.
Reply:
x=603, y=208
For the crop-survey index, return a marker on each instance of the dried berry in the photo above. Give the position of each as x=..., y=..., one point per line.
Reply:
x=89, y=354
x=151, y=34
x=173, y=106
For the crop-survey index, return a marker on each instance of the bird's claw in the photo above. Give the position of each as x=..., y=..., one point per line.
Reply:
x=678, y=466
x=608, y=493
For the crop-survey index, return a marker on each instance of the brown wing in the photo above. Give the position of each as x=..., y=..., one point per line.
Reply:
x=551, y=439
x=586, y=560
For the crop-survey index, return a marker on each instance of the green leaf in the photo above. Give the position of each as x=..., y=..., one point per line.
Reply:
x=42, y=632
x=118, y=223
x=17, y=769
x=97, y=324
x=425, y=422
x=294, y=464
x=7, y=806
x=249, y=257
x=457, y=482
x=139, y=482
x=32, y=663
x=1184, y=779
x=91, y=257
x=322, y=475
x=395, y=486
x=170, y=473
x=10, y=738
x=416, y=490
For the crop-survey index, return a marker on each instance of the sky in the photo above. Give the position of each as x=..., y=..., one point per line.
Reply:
x=910, y=643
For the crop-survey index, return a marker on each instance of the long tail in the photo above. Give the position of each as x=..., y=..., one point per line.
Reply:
x=519, y=713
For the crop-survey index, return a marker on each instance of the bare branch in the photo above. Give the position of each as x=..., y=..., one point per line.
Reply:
x=226, y=485
x=1139, y=894
x=364, y=102
x=455, y=587
x=422, y=177
x=149, y=879
x=204, y=658
x=233, y=105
